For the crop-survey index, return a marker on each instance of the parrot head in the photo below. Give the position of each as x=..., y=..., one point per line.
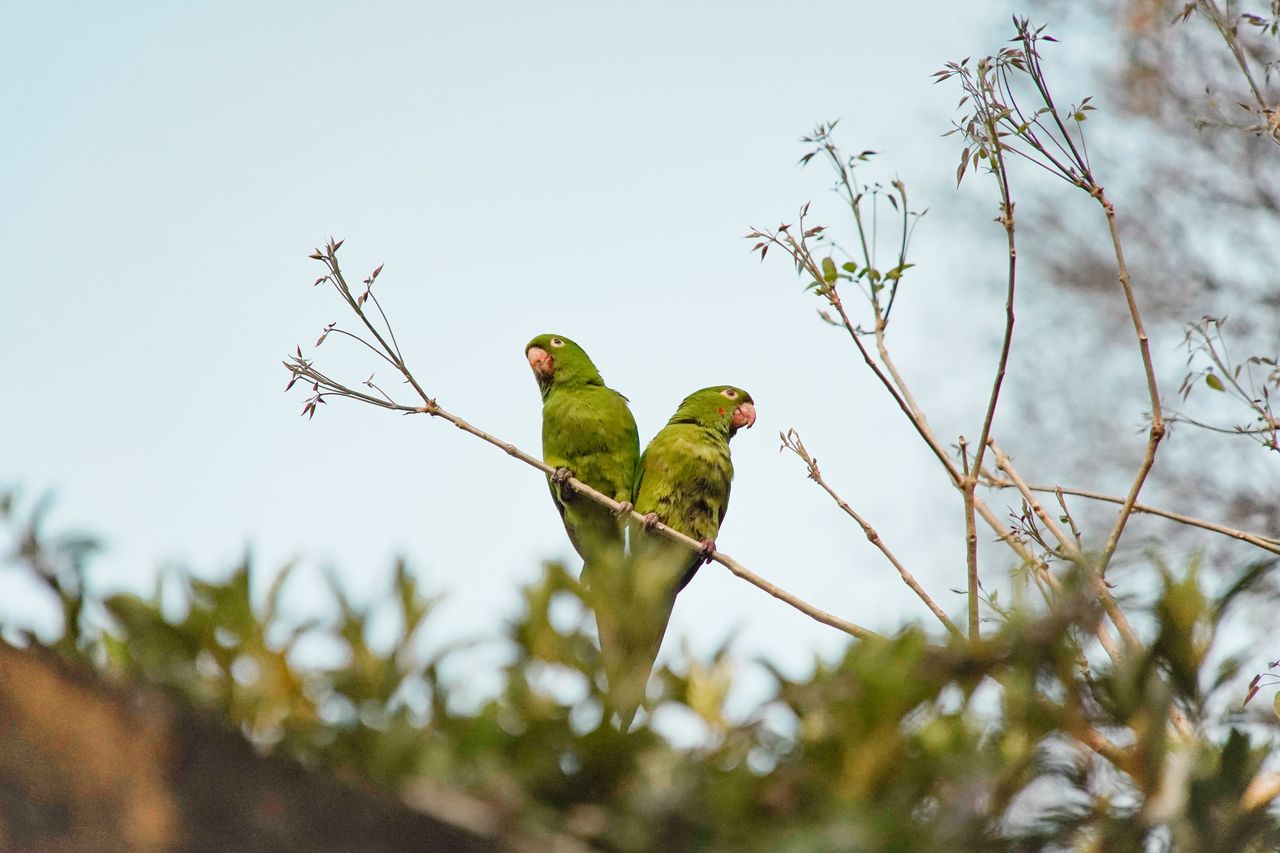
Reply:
x=557, y=360
x=718, y=407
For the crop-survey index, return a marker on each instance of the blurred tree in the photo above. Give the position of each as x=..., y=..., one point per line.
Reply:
x=1189, y=140
x=893, y=747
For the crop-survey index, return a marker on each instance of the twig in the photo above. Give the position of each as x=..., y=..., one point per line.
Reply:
x=1071, y=522
x=889, y=376
x=1074, y=554
x=791, y=441
x=971, y=476
x=997, y=149
x=1006, y=465
x=799, y=251
x=1153, y=390
x=301, y=368
x=1271, y=425
x=1266, y=543
x=1210, y=10
x=1224, y=377
x=970, y=541
x=1109, y=605
x=1004, y=532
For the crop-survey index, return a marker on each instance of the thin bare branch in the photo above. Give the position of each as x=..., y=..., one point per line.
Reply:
x=1210, y=10
x=372, y=348
x=791, y=441
x=1005, y=464
x=1266, y=543
x=1066, y=513
x=1099, y=586
x=970, y=541
x=970, y=482
x=1157, y=431
x=1006, y=219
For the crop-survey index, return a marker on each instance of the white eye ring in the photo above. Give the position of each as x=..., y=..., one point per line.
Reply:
x=556, y=342
x=730, y=393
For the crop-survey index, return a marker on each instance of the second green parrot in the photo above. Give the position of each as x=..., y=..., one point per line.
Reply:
x=683, y=481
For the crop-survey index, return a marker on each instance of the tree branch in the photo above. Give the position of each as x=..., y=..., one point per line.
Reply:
x=1211, y=11
x=791, y=441
x=1073, y=552
x=892, y=382
x=970, y=541
x=1153, y=391
x=1266, y=543
x=971, y=476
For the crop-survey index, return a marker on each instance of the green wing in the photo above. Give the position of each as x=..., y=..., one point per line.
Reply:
x=590, y=430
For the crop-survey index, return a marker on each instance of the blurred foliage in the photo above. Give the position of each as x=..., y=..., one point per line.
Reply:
x=899, y=745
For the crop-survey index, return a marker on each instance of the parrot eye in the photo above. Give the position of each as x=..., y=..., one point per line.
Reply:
x=556, y=342
x=730, y=393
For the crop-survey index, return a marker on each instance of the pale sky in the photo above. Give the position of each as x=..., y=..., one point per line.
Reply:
x=587, y=169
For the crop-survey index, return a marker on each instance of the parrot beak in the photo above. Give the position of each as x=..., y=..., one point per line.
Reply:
x=744, y=416
x=544, y=366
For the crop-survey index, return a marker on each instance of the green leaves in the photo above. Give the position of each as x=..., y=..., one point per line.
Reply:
x=848, y=750
x=1011, y=110
x=813, y=250
x=1252, y=384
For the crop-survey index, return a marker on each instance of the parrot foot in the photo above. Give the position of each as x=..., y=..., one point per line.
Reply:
x=707, y=549
x=651, y=520
x=624, y=509
x=561, y=478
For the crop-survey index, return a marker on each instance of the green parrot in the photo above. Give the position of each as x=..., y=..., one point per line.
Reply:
x=588, y=432
x=683, y=481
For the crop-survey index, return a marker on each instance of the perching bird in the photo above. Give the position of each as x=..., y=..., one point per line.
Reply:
x=587, y=431
x=683, y=481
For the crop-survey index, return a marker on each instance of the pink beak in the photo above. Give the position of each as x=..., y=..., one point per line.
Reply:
x=744, y=416
x=544, y=366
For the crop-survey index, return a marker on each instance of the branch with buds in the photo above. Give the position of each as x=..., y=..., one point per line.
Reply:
x=1255, y=382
